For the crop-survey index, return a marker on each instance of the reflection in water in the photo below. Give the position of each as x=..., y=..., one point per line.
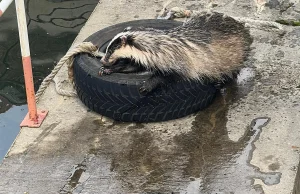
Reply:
x=53, y=26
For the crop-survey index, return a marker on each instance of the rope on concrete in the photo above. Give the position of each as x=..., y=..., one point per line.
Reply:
x=84, y=47
x=260, y=23
x=177, y=12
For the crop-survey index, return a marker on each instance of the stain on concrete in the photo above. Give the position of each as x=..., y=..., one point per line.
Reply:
x=41, y=137
x=274, y=166
x=73, y=179
x=273, y=4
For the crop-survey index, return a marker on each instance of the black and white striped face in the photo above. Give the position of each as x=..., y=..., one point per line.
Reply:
x=119, y=47
x=150, y=49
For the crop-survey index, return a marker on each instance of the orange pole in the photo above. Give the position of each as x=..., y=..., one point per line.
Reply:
x=34, y=118
x=27, y=67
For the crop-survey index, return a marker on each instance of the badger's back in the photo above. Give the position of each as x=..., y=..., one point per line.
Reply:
x=217, y=44
x=208, y=45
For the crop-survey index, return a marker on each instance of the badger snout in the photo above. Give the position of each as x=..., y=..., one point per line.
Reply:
x=104, y=62
x=109, y=62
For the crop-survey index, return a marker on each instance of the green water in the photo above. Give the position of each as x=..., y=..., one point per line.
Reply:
x=52, y=27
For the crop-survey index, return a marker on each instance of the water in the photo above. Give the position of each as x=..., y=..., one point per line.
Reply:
x=9, y=126
x=52, y=26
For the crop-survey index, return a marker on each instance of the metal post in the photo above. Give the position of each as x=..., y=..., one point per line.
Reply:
x=33, y=118
x=4, y=5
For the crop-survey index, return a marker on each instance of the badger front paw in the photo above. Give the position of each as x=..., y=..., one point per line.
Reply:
x=105, y=71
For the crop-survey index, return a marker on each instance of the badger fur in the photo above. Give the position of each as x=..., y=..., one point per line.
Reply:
x=209, y=45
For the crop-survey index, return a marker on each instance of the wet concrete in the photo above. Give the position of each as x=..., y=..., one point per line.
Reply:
x=245, y=142
x=201, y=160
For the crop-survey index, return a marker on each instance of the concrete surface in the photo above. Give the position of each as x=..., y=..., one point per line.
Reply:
x=247, y=141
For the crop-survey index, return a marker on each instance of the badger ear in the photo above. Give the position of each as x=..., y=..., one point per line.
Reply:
x=123, y=40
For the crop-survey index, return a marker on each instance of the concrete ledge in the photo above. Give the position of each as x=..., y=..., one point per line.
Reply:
x=247, y=141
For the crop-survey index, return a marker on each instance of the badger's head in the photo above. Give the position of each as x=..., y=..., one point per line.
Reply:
x=120, y=47
x=138, y=46
x=154, y=50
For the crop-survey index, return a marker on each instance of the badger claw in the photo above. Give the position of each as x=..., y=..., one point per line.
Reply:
x=144, y=90
x=105, y=71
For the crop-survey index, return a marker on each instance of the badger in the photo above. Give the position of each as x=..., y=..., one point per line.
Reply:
x=210, y=45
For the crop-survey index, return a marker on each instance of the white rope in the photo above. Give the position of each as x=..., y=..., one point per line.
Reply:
x=260, y=23
x=85, y=47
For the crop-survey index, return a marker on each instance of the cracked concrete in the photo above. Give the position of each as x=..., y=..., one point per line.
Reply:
x=247, y=141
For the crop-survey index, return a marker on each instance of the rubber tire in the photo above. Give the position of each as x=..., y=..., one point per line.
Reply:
x=116, y=96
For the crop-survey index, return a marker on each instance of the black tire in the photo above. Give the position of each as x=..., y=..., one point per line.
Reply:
x=117, y=95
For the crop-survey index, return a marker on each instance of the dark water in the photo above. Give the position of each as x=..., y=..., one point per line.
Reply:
x=53, y=26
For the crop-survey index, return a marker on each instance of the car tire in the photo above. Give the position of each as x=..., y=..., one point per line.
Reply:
x=117, y=95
